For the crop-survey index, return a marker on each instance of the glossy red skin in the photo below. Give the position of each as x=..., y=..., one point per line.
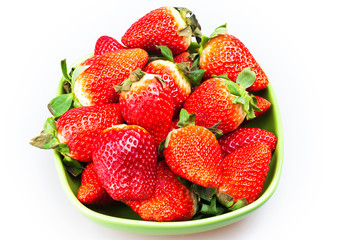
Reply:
x=125, y=159
x=91, y=190
x=262, y=104
x=80, y=127
x=245, y=171
x=106, y=44
x=178, y=91
x=193, y=153
x=232, y=141
x=107, y=70
x=212, y=103
x=183, y=57
x=172, y=201
x=226, y=54
x=150, y=106
x=157, y=27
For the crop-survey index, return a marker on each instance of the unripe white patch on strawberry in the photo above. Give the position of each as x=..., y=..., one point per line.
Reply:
x=180, y=21
x=180, y=79
x=80, y=94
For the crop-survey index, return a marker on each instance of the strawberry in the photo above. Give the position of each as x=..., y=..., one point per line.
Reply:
x=183, y=57
x=218, y=100
x=95, y=84
x=242, y=136
x=91, y=191
x=223, y=53
x=263, y=104
x=167, y=26
x=174, y=78
x=125, y=159
x=171, y=201
x=76, y=131
x=244, y=174
x=106, y=44
x=193, y=153
x=147, y=102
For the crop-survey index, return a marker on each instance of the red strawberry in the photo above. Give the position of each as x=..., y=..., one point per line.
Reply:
x=79, y=128
x=244, y=173
x=263, y=104
x=125, y=159
x=163, y=26
x=95, y=84
x=183, y=57
x=232, y=141
x=218, y=100
x=106, y=44
x=146, y=102
x=193, y=153
x=171, y=201
x=226, y=54
x=91, y=190
x=175, y=80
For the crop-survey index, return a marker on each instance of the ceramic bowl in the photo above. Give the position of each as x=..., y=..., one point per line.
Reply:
x=122, y=218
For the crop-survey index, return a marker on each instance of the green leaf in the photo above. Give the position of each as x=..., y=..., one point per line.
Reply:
x=166, y=52
x=239, y=204
x=193, y=47
x=225, y=199
x=246, y=78
x=76, y=103
x=60, y=104
x=72, y=166
x=167, y=139
x=183, y=12
x=44, y=141
x=62, y=148
x=50, y=127
x=196, y=77
x=203, y=44
x=184, y=181
x=64, y=70
x=185, y=32
x=232, y=87
x=205, y=193
x=186, y=119
x=219, y=30
x=79, y=70
x=184, y=67
x=161, y=81
x=161, y=146
x=212, y=208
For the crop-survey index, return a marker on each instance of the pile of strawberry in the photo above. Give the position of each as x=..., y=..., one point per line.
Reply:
x=165, y=135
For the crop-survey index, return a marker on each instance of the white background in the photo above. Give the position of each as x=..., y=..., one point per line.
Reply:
x=310, y=51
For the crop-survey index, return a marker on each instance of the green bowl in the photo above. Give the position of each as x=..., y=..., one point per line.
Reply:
x=122, y=218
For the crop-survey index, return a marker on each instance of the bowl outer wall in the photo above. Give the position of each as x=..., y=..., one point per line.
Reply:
x=182, y=227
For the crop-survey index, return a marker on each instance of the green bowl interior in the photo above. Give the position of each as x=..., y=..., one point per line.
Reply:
x=121, y=217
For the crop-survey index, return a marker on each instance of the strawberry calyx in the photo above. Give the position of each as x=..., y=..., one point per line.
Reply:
x=206, y=199
x=185, y=120
x=134, y=77
x=218, y=31
x=48, y=139
x=241, y=96
x=63, y=102
x=228, y=201
x=193, y=27
x=191, y=72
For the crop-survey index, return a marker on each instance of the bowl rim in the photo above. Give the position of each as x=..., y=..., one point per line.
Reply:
x=229, y=217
